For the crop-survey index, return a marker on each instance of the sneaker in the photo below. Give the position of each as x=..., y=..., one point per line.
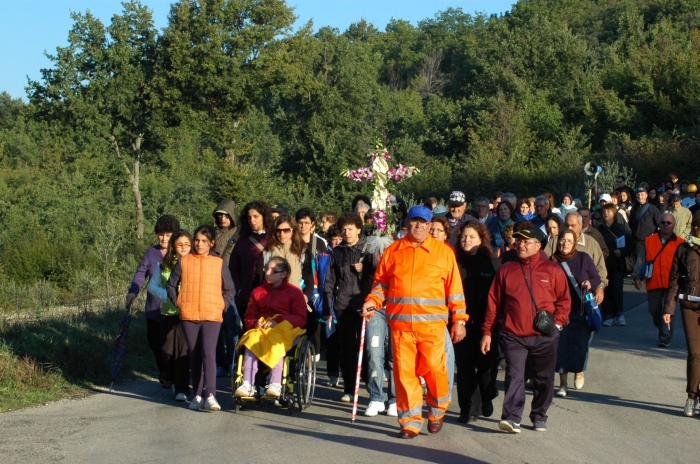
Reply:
x=180, y=397
x=578, y=381
x=317, y=358
x=563, y=391
x=487, y=408
x=346, y=398
x=374, y=408
x=391, y=411
x=211, y=404
x=245, y=390
x=540, y=426
x=334, y=382
x=664, y=344
x=197, y=402
x=620, y=321
x=509, y=426
x=608, y=322
x=274, y=389
x=689, y=410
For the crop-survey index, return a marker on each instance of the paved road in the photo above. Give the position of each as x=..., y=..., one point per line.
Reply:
x=629, y=411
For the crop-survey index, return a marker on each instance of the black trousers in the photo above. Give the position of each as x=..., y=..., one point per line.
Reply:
x=313, y=330
x=541, y=350
x=612, y=304
x=474, y=370
x=348, y=337
x=176, y=363
x=153, y=339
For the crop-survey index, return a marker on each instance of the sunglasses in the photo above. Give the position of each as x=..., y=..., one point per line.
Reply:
x=274, y=271
x=183, y=245
x=284, y=230
x=666, y=223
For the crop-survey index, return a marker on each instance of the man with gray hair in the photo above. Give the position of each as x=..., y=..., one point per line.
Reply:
x=586, y=244
x=542, y=210
x=654, y=266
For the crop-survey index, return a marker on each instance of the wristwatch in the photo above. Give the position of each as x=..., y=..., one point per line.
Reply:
x=462, y=323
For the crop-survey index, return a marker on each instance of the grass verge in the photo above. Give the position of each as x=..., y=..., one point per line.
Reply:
x=45, y=357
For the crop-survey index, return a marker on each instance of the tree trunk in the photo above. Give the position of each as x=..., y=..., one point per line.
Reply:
x=134, y=175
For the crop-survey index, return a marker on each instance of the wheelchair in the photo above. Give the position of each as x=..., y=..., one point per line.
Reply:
x=298, y=379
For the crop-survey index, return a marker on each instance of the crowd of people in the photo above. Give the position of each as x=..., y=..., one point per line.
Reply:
x=499, y=282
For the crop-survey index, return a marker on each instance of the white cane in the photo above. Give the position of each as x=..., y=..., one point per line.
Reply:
x=359, y=366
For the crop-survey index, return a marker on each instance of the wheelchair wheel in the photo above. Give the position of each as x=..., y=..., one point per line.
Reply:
x=305, y=381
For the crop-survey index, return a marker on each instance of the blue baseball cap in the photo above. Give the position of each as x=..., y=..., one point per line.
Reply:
x=420, y=212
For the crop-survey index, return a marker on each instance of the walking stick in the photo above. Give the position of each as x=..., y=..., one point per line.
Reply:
x=359, y=366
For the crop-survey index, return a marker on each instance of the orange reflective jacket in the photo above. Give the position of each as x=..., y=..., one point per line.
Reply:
x=421, y=286
x=663, y=260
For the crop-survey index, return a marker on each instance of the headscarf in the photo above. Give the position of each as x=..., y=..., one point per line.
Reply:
x=558, y=256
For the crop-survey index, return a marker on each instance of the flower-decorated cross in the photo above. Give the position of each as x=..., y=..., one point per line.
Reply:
x=380, y=174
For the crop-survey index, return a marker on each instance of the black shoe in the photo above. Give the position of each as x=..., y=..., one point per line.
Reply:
x=664, y=344
x=407, y=434
x=487, y=409
x=463, y=418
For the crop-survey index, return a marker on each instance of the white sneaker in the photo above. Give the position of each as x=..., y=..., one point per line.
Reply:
x=563, y=391
x=620, y=321
x=211, y=404
x=180, y=397
x=245, y=390
x=391, y=411
x=197, y=402
x=346, y=398
x=374, y=408
x=317, y=358
x=274, y=389
x=608, y=322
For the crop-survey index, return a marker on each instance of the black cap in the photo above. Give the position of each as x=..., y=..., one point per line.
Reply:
x=533, y=233
x=279, y=209
x=642, y=189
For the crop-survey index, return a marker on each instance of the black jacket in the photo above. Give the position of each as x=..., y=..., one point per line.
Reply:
x=343, y=282
x=610, y=235
x=646, y=225
x=477, y=272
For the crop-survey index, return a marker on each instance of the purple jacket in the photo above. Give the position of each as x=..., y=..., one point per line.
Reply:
x=243, y=266
x=147, y=267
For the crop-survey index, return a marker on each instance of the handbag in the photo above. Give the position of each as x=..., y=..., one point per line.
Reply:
x=648, y=266
x=594, y=319
x=544, y=321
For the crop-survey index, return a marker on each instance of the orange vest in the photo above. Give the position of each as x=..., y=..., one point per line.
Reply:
x=421, y=286
x=663, y=262
x=200, y=297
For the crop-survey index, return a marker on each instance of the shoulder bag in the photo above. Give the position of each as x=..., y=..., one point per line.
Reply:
x=594, y=319
x=544, y=321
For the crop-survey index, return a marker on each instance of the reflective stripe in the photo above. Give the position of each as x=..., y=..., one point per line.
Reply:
x=415, y=425
x=459, y=311
x=379, y=294
x=379, y=284
x=415, y=301
x=436, y=414
x=456, y=297
x=407, y=414
x=439, y=401
x=416, y=317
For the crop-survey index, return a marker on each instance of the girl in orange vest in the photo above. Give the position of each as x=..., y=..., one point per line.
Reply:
x=201, y=285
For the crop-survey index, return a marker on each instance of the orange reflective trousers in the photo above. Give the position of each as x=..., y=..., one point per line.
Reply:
x=420, y=354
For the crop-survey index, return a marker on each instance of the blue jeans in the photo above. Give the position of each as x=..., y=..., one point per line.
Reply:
x=450, y=350
x=378, y=358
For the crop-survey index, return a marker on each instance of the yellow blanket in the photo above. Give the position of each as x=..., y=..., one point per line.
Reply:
x=270, y=345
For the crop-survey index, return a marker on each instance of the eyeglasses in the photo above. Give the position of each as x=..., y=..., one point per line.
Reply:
x=437, y=231
x=274, y=270
x=284, y=230
x=666, y=223
x=520, y=241
x=183, y=245
x=303, y=223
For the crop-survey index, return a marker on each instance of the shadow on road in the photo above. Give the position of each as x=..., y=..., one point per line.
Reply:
x=397, y=449
x=611, y=400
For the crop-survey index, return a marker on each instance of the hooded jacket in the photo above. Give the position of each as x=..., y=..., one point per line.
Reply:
x=510, y=301
x=342, y=280
x=226, y=238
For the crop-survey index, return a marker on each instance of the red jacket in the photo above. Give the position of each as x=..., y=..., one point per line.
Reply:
x=285, y=300
x=510, y=301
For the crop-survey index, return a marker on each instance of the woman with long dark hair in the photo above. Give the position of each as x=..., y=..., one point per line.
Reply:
x=283, y=239
x=477, y=267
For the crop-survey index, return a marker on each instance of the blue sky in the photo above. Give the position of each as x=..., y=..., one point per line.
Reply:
x=30, y=27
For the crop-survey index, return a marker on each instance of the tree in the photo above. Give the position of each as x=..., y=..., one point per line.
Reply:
x=101, y=86
x=219, y=58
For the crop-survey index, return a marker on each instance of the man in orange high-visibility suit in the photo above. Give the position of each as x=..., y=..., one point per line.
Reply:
x=419, y=281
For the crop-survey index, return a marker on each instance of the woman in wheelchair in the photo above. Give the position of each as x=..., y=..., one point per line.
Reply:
x=274, y=318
